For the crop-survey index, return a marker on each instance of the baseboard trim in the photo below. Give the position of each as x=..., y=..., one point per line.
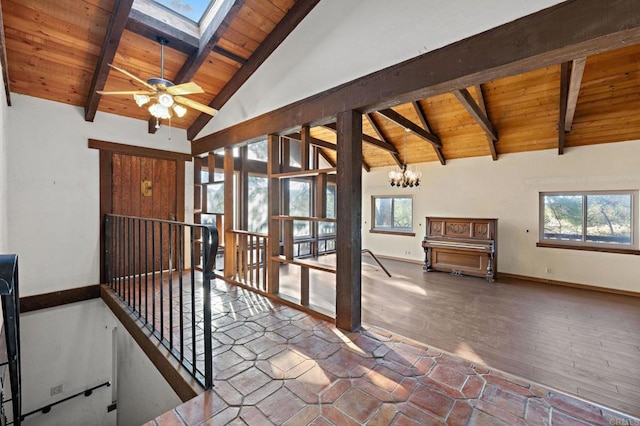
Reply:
x=59, y=298
x=185, y=386
x=570, y=284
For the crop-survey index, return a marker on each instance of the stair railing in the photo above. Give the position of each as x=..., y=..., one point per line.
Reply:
x=11, y=322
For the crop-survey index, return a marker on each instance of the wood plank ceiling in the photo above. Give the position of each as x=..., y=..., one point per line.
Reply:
x=60, y=50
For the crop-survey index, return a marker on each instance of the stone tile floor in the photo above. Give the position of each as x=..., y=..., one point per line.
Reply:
x=276, y=365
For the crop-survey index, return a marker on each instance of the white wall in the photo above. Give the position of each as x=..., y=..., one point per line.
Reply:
x=143, y=394
x=53, y=188
x=72, y=346
x=4, y=186
x=508, y=189
x=341, y=40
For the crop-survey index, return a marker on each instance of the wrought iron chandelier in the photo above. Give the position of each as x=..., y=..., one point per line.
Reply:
x=405, y=178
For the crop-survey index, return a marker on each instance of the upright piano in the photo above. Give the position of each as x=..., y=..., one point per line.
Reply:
x=461, y=246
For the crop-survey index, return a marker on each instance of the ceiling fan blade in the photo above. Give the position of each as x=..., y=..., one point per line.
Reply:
x=195, y=105
x=128, y=74
x=185, y=89
x=125, y=92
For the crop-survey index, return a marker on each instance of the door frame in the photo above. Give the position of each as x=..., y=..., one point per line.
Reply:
x=107, y=149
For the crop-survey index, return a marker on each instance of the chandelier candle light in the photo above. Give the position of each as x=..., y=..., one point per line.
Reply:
x=405, y=178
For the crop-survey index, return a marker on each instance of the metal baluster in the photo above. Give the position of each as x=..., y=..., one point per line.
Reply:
x=139, y=270
x=180, y=272
x=206, y=308
x=146, y=272
x=193, y=300
x=161, y=282
x=170, y=286
x=153, y=276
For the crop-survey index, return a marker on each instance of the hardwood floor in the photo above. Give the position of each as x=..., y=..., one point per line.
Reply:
x=583, y=342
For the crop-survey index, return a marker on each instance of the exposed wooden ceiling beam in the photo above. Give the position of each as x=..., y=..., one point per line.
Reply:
x=327, y=158
x=538, y=40
x=121, y=10
x=564, y=96
x=225, y=13
x=365, y=166
x=313, y=141
x=367, y=139
x=425, y=123
x=467, y=101
x=483, y=106
x=575, y=80
x=3, y=61
x=410, y=126
x=374, y=126
x=286, y=25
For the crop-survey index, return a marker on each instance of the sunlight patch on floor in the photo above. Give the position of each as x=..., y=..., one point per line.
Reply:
x=465, y=351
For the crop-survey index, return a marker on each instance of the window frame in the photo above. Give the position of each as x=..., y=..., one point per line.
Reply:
x=391, y=230
x=583, y=244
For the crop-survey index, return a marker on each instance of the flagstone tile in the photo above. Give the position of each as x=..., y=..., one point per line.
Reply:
x=281, y=405
x=249, y=381
x=274, y=365
x=448, y=376
x=432, y=401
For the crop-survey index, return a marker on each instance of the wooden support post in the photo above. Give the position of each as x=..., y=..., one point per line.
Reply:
x=287, y=241
x=305, y=137
x=243, y=217
x=349, y=238
x=273, y=166
x=229, y=238
x=320, y=208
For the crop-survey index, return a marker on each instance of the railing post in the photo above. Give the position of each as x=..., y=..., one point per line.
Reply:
x=210, y=243
x=108, y=255
x=11, y=317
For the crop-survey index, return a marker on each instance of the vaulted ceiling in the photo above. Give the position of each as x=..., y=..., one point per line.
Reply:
x=61, y=50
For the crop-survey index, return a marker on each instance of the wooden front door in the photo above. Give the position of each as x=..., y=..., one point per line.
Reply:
x=146, y=187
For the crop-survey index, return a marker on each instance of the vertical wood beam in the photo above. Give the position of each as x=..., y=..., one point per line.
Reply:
x=320, y=208
x=243, y=221
x=273, y=206
x=229, y=238
x=305, y=137
x=211, y=165
x=349, y=238
x=564, y=97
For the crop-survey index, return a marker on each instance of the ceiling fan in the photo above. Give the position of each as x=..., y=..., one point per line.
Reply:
x=165, y=99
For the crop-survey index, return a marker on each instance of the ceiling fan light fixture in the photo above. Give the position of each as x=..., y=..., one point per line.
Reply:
x=160, y=111
x=165, y=99
x=141, y=99
x=179, y=110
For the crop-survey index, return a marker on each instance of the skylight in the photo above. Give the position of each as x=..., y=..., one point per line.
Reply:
x=190, y=9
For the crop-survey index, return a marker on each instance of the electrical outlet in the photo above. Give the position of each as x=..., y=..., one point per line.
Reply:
x=547, y=270
x=56, y=390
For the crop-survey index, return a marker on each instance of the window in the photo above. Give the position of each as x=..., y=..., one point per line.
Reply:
x=258, y=201
x=329, y=228
x=392, y=214
x=215, y=192
x=300, y=205
x=592, y=219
